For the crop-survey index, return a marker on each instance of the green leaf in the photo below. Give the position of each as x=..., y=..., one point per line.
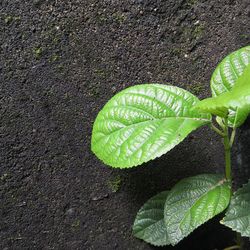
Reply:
x=192, y=202
x=149, y=223
x=225, y=77
x=237, y=99
x=143, y=122
x=238, y=213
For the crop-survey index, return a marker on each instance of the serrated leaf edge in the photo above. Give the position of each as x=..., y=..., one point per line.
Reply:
x=167, y=149
x=150, y=199
x=220, y=183
x=222, y=221
x=218, y=68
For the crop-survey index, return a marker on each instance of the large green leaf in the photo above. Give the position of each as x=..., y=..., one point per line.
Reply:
x=192, y=202
x=149, y=223
x=225, y=77
x=143, y=122
x=238, y=214
x=238, y=98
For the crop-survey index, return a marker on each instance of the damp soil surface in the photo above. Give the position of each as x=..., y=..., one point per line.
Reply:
x=60, y=61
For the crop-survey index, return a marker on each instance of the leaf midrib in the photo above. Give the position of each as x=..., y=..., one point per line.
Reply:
x=139, y=123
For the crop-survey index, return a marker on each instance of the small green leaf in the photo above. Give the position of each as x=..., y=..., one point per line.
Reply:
x=144, y=122
x=236, y=99
x=238, y=213
x=192, y=202
x=225, y=77
x=149, y=223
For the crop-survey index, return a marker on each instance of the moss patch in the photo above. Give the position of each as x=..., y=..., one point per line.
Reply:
x=76, y=223
x=38, y=52
x=9, y=19
x=115, y=183
x=196, y=88
x=192, y=2
x=198, y=31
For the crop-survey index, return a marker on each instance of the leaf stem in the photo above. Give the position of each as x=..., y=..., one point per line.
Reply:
x=228, y=168
x=227, y=149
x=232, y=137
x=239, y=240
x=232, y=247
x=218, y=131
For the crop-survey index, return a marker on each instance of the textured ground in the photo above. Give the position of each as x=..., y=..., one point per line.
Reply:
x=60, y=61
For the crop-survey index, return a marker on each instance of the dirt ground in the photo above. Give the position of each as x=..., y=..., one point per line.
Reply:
x=60, y=61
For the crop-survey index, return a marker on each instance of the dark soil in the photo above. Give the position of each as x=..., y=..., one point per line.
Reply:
x=60, y=61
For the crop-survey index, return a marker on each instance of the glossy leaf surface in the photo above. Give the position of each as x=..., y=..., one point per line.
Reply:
x=192, y=202
x=238, y=99
x=143, y=122
x=225, y=77
x=149, y=223
x=238, y=214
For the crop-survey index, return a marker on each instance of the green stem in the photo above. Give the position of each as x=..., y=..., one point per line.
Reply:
x=232, y=137
x=228, y=142
x=218, y=131
x=227, y=148
x=232, y=247
x=228, y=169
x=227, y=158
x=239, y=240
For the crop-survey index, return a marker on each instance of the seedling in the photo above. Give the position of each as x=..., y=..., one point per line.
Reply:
x=146, y=121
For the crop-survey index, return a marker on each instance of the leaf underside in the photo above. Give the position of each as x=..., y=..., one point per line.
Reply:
x=238, y=98
x=192, y=202
x=143, y=122
x=238, y=214
x=149, y=223
x=225, y=77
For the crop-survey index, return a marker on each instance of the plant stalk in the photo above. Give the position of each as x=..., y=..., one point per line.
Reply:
x=227, y=148
x=228, y=142
x=232, y=247
x=239, y=241
x=232, y=137
x=218, y=131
